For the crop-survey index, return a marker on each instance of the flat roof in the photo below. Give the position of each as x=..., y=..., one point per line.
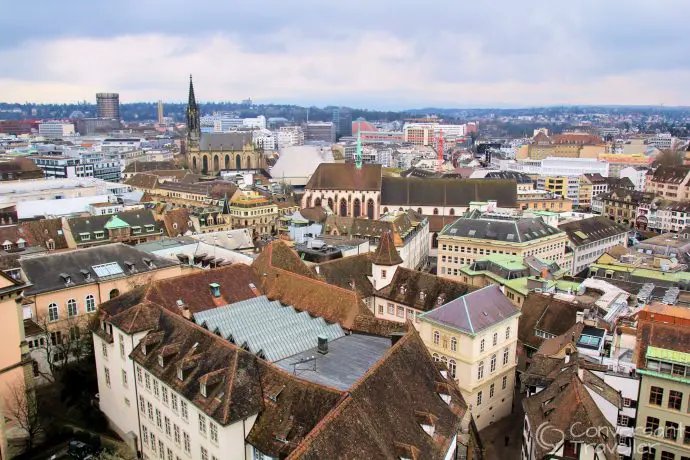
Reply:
x=347, y=360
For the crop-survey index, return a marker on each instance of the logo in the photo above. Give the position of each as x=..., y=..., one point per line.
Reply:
x=548, y=436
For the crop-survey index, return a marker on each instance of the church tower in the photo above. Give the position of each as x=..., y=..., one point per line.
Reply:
x=193, y=121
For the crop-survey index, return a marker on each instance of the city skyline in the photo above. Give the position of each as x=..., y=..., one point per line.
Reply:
x=497, y=55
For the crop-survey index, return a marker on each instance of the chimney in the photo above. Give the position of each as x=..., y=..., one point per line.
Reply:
x=580, y=317
x=318, y=270
x=322, y=344
x=544, y=273
x=395, y=336
x=215, y=289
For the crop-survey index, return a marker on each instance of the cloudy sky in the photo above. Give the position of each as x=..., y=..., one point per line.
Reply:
x=376, y=54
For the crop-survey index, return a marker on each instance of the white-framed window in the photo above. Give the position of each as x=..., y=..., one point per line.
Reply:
x=107, y=377
x=150, y=408
x=90, y=303
x=453, y=344
x=153, y=443
x=491, y=391
x=495, y=338
x=147, y=378
x=159, y=419
x=124, y=378
x=437, y=337
x=173, y=402
x=451, y=367
x=214, y=432
x=506, y=356
x=142, y=405
x=479, y=398
x=164, y=392
x=482, y=345
x=176, y=434
x=480, y=370
x=140, y=375
x=53, y=314
x=185, y=412
x=187, y=442
x=504, y=384
x=145, y=434
x=391, y=309
x=204, y=453
x=104, y=349
x=156, y=389
x=508, y=333
x=493, y=363
x=168, y=430
x=202, y=425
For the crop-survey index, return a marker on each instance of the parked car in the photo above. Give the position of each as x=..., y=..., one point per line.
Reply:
x=79, y=450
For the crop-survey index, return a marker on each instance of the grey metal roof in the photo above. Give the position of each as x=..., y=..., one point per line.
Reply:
x=347, y=360
x=510, y=230
x=224, y=141
x=474, y=312
x=277, y=330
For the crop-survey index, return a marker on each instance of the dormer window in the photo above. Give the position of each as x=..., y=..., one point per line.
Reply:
x=202, y=389
x=136, y=229
x=403, y=290
x=180, y=374
x=445, y=397
x=215, y=289
x=161, y=361
x=149, y=263
x=440, y=299
x=99, y=234
x=422, y=295
x=149, y=227
x=143, y=349
x=85, y=236
x=66, y=278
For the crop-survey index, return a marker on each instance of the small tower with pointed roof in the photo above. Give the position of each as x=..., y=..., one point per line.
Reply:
x=193, y=116
x=385, y=262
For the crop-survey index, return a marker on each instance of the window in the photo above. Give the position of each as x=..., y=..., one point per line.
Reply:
x=156, y=389
x=161, y=449
x=173, y=402
x=150, y=407
x=122, y=346
x=453, y=344
x=159, y=420
x=107, y=377
x=507, y=332
x=675, y=398
x=142, y=405
x=165, y=395
x=627, y=402
x=148, y=381
x=652, y=426
x=491, y=391
x=383, y=274
x=391, y=309
x=671, y=431
x=667, y=455
x=139, y=375
x=686, y=435
x=53, y=312
x=187, y=443
x=204, y=453
x=493, y=363
x=124, y=378
x=145, y=434
x=506, y=356
x=104, y=349
x=451, y=367
x=202, y=425
x=380, y=309
x=482, y=345
x=656, y=396
x=401, y=312
x=480, y=370
x=495, y=338
x=153, y=443
x=504, y=383
x=185, y=412
x=479, y=398
x=648, y=453
x=170, y=454
x=176, y=434
x=167, y=426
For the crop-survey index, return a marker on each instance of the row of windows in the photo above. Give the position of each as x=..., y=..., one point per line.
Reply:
x=482, y=344
x=492, y=363
x=492, y=388
x=649, y=453
x=671, y=431
x=72, y=308
x=399, y=312
x=674, y=402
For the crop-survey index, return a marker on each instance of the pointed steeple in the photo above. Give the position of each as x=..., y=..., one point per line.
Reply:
x=193, y=119
x=226, y=206
x=358, y=157
x=386, y=254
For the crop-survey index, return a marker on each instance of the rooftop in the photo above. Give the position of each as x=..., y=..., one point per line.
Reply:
x=510, y=230
x=348, y=359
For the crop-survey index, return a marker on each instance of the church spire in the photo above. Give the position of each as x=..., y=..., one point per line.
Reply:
x=193, y=119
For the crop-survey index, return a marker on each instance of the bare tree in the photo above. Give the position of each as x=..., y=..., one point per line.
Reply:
x=58, y=344
x=23, y=410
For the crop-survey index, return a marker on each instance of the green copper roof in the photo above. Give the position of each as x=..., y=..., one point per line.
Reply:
x=645, y=272
x=115, y=222
x=668, y=355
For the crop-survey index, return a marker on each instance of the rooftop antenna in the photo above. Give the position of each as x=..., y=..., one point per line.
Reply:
x=358, y=157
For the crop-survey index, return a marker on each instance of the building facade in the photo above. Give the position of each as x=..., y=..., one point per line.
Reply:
x=590, y=238
x=108, y=105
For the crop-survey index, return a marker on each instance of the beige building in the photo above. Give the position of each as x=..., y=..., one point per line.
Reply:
x=15, y=364
x=470, y=238
x=68, y=287
x=249, y=209
x=475, y=336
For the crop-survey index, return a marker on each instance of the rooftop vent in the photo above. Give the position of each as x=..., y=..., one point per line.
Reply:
x=322, y=344
x=215, y=289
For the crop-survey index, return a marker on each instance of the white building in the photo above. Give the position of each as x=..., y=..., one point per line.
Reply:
x=60, y=167
x=264, y=139
x=255, y=123
x=590, y=238
x=662, y=141
x=290, y=135
x=557, y=166
x=55, y=129
x=637, y=176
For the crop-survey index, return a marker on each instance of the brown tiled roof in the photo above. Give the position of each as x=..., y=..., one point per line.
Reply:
x=342, y=223
x=566, y=403
x=555, y=344
x=576, y=138
x=345, y=176
x=407, y=287
x=39, y=232
x=436, y=223
x=662, y=335
x=278, y=255
x=9, y=262
x=413, y=192
x=349, y=273
x=10, y=233
x=398, y=225
x=142, y=180
x=374, y=422
x=670, y=174
x=19, y=165
x=32, y=329
x=314, y=214
x=177, y=221
x=546, y=313
x=369, y=324
x=594, y=228
x=236, y=393
x=386, y=254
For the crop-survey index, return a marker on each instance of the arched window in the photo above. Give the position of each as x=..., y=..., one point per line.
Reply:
x=90, y=303
x=227, y=162
x=204, y=165
x=114, y=293
x=451, y=368
x=385, y=210
x=506, y=356
x=357, y=208
x=343, y=207
x=370, y=208
x=194, y=163
x=480, y=370
x=216, y=163
x=50, y=244
x=495, y=338
x=507, y=332
x=71, y=307
x=452, y=212
x=436, y=211
x=317, y=202
x=444, y=360
x=419, y=210
x=437, y=337
x=493, y=362
x=249, y=162
x=453, y=344
x=435, y=356
x=330, y=204
x=238, y=162
x=53, y=314
x=482, y=345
